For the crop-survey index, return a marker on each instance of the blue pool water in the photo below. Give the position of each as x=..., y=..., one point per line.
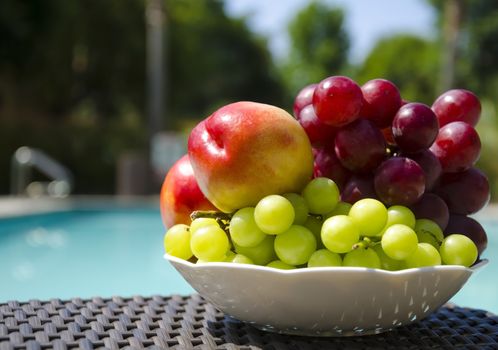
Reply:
x=85, y=253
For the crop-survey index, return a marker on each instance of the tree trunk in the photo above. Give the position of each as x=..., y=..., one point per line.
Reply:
x=452, y=20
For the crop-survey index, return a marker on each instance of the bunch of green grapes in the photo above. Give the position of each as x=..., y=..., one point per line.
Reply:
x=315, y=229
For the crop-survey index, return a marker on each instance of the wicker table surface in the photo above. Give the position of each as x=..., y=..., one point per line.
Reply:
x=189, y=322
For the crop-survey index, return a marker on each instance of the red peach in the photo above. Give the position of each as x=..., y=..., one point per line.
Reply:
x=181, y=195
x=245, y=151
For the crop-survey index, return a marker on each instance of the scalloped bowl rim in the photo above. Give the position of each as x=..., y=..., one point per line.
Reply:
x=478, y=265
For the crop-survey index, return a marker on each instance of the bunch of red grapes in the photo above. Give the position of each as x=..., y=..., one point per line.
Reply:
x=374, y=144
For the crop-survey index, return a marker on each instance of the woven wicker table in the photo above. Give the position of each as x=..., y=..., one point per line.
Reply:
x=178, y=322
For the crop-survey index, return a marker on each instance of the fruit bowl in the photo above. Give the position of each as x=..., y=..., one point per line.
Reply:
x=325, y=301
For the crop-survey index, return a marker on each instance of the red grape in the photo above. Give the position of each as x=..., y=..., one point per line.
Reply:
x=337, y=100
x=432, y=207
x=430, y=165
x=466, y=192
x=358, y=187
x=457, y=105
x=468, y=227
x=381, y=101
x=318, y=132
x=399, y=180
x=303, y=98
x=457, y=147
x=327, y=165
x=415, y=127
x=360, y=146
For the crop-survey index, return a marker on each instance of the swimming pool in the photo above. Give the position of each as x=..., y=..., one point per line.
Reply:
x=86, y=252
x=118, y=251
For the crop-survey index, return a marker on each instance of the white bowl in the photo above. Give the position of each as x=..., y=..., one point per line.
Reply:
x=325, y=301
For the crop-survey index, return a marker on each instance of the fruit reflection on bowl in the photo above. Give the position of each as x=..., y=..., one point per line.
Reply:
x=325, y=301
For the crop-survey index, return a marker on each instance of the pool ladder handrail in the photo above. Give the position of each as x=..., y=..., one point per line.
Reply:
x=24, y=160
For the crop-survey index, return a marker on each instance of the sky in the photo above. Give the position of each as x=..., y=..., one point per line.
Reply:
x=366, y=21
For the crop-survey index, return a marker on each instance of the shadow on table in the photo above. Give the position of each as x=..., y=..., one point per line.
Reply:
x=449, y=328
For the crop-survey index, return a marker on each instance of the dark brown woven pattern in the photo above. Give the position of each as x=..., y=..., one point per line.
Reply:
x=177, y=322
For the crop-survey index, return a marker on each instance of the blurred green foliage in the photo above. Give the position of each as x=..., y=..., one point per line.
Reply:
x=72, y=73
x=319, y=46
x=408, y=61
x=480, y=55
x=477, y=70
x=71, y=83
x=72, y=77
x=413, y=63
x=214, y=60
x=58, y=54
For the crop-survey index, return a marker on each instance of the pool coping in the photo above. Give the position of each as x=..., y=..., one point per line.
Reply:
x=11, y=206
x=18, y=206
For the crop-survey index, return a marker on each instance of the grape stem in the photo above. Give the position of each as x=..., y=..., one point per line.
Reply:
x=223, y=219
x=210, y=214
x=365, y=243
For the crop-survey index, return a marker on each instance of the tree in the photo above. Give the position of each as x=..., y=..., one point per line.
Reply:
x=56, y=54
x=215, y=59
x=476, y=50
x=408, y=61
x=481, y=27
x=72, y=77
x=319, y=45
x=453, y=13
x=476, y=54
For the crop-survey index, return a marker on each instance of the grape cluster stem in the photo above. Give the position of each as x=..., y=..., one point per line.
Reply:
x=223, y=219
x=365, y=243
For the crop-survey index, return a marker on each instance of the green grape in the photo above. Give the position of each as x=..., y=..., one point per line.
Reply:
x=339, y=233
x=370, y=215
x=425, y=237
x=398, y=214
x=321, y=195
x=424, y=255
x=458, y=249
x=399, y=242
x=229, y=256
x=362, y=257
x=278, y=264
x=324, y=257
x=274, y=214
x=300, y=207
x=177, y=242
x=342, y=208
x=243, y=228
x=295, y=246
x=429, y=232
x=386, y=262
x=314, y=224
x=210, y=243
x=202, y=222
x=261, y=254
x=240, y=259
